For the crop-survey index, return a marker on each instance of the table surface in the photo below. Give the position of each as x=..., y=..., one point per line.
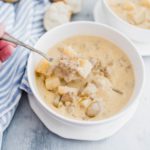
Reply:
x=26, y=132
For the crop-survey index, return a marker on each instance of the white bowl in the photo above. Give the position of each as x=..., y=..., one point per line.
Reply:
x=133, y=32
x=87, y=130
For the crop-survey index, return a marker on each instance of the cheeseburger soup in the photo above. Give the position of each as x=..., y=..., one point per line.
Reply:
x=90, y=79
x=135, y=12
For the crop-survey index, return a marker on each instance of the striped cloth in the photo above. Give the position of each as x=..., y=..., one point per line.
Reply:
x=24, y=21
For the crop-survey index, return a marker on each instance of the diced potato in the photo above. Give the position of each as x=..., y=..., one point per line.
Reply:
x=43, y=67
x=68, y=51
x=93, y=109
x=70, y=109
x=102, y=82
x=68, y=103
x=137, y=17
x=89, y=90
x=85, y=68
x=140, y=17
x=65, y=89
x=84, y=103
x=145, y=3
x=128, y=6
x=52, y=83
x=68, y=97
x=56, y=101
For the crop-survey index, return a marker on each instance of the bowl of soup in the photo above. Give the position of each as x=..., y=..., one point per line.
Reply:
x=92, y=87
x=131, y=17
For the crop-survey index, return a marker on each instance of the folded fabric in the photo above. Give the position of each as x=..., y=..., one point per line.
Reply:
x=24, y=20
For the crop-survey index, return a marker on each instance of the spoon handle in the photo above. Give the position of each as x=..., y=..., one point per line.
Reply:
x=9, y=38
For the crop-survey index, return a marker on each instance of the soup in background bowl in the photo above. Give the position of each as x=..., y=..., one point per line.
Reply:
x=131, y=17
x=135, y=12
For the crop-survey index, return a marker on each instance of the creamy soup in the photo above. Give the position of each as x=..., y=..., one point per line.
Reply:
x=135, y=12
x=90, y=79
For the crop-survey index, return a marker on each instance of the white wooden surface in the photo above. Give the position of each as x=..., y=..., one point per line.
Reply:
x=26, y=132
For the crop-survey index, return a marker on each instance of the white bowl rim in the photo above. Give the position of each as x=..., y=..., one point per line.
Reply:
x=83, y=122
x=123, y=21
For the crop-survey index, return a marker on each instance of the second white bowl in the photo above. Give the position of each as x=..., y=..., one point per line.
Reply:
x=133, y=32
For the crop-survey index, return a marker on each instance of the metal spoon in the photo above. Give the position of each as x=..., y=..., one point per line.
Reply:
x=9, y=38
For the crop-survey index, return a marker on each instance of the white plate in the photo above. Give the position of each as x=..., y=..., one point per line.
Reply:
x=143, y=49
x=61, y=130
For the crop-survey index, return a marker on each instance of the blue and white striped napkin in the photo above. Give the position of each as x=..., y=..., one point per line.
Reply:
x=24, y=20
